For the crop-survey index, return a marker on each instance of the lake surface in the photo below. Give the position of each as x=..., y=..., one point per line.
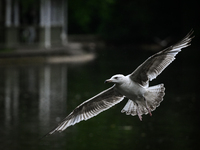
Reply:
x=35, y=98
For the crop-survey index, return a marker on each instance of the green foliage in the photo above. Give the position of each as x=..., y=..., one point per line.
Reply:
x=126, y=21
x=88, y=16
x=113, y=19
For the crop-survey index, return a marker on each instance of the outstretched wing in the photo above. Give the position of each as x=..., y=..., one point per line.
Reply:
x=90, y=108
x=155, y=64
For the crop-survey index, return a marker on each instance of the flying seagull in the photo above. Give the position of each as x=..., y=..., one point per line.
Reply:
x=143, y=99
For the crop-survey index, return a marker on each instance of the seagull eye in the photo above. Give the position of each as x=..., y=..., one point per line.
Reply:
x=115, y=77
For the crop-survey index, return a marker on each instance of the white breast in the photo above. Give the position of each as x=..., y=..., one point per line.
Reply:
x=131, y=90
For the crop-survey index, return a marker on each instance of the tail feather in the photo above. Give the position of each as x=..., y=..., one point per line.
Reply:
x=130, y=108
x=152, y=99
x=154, y=96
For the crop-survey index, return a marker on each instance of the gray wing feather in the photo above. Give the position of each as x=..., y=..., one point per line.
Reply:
x=155, y=64
x=91, y=108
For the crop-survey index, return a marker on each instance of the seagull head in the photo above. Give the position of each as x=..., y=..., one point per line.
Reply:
x=117, y=79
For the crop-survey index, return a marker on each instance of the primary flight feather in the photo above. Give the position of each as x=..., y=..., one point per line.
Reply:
x=135, y=86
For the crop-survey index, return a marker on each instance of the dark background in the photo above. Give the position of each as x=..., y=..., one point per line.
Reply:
x=132, y=21
x=174, y=125
x=128, y=21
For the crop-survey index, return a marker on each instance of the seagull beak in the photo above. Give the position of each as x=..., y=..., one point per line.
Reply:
x=108, y=81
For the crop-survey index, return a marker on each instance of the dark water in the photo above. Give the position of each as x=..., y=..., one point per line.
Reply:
x=33, y=99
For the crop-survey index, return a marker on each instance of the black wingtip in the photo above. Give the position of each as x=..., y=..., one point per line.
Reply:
x=189, y=35
x=187, y=39
x=44, y=136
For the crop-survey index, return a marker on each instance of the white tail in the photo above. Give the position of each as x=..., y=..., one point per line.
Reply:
x=154, y=96
x=152, y=99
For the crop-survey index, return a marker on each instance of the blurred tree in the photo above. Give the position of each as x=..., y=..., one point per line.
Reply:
x=129, y=20
x=88, y=16
x=126, y=21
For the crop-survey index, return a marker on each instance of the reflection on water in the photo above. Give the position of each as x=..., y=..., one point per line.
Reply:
x=44, y=96
x=11, y=95
x=30, y=97
x=33, y=99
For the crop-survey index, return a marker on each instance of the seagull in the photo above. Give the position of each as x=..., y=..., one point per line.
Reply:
x=142, y=98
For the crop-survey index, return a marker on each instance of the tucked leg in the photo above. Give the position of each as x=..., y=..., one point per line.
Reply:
x=138, y=112
x=139, y=115
x=148, y=107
